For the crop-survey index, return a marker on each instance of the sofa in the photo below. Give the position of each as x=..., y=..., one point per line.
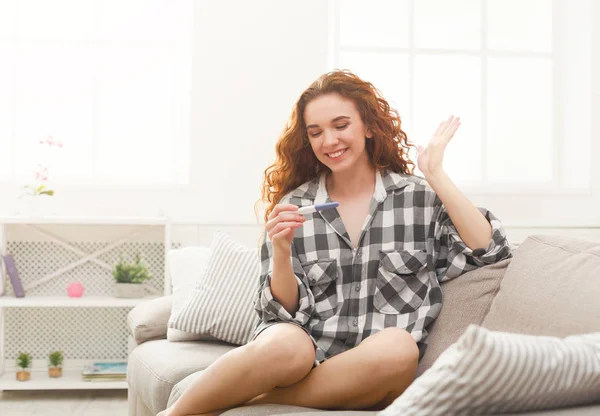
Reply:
x=551, y=287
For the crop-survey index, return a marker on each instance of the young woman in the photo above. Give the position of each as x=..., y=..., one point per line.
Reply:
x=346, y=295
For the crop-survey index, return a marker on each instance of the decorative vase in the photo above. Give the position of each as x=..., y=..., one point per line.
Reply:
x=23, y=375
x=129, y=290
x=55, y=371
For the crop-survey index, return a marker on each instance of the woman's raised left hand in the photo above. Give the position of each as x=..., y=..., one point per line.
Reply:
x=430, y=158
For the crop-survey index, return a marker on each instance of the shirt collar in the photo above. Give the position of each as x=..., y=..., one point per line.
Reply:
x=392, y=181
x=385, y=182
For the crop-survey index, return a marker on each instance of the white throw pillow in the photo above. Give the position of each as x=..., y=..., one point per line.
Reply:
x=184, y=266
x=222, y=303
x=487, y=372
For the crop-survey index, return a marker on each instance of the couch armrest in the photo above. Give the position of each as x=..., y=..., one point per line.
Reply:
x=149, y=319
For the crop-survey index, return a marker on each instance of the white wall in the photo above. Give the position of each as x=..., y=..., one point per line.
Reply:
x=253, y=59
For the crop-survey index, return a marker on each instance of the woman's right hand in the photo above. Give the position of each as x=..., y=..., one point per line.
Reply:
x=281, y=225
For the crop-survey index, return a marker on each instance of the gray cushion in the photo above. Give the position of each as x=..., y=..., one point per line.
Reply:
x=551, y=287
x=269, y=409
x=274, y=409
x=155, y=367
x=148, y=320
x=570, y=411
x=466, y=300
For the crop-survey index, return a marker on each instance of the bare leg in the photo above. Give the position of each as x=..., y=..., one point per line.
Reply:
x=370, y=376
x=281, y=355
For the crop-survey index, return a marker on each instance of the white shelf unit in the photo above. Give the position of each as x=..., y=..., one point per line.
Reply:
x=67, y=302
x=71, y=379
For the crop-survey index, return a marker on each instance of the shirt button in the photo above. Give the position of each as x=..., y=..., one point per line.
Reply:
x=355, y=322
x=357, y=288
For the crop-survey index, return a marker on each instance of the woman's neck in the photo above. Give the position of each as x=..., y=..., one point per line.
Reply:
x=352, y=182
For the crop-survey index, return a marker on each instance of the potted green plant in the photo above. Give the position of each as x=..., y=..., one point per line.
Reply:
x=55, y=361
x=24, y=363
x=129, y=277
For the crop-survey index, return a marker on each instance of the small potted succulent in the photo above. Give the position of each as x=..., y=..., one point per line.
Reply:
x=55, y=361
x=24, y=363
x=129, y=278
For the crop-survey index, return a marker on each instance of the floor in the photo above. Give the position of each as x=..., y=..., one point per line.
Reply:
x=64, y=403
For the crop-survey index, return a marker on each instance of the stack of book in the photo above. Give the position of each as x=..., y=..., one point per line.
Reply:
x=105, y=371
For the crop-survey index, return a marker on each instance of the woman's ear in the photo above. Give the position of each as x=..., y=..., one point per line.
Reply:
x=368, y=133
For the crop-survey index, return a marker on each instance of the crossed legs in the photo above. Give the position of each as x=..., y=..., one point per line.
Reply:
x=277, y=368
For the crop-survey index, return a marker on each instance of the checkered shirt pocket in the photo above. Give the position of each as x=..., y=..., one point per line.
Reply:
x=322, y=276
x=402, y=281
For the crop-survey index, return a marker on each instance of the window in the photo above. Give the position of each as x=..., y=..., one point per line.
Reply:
x=109, y=79
x=517, y=72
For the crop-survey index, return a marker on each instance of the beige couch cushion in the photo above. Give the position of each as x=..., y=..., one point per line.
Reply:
x=271, y=410
x=277, y=409
x=552, y=287
x=155, y=367
x=466, y=300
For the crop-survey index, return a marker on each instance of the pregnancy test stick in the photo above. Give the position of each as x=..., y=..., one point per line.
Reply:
x=315, y=208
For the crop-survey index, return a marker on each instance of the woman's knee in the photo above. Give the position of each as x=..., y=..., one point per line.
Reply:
x=288, y=348
x=395, y=352
x=397, y=363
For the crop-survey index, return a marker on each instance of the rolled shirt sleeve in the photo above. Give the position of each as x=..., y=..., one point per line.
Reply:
x=453, y=256
x=267, y=307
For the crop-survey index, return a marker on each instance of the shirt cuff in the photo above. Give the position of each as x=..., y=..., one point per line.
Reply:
x=276, y=311
x=270, y=305
x=498, y=246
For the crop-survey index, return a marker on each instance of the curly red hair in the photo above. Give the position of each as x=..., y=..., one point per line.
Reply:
x=296, y=163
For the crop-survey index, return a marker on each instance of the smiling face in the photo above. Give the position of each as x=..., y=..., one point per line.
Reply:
x=336, y=132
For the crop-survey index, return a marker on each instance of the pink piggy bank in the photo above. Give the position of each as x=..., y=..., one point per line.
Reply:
x=75, y=290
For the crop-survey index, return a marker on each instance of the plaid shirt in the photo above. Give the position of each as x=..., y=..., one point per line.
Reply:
x=407, y=247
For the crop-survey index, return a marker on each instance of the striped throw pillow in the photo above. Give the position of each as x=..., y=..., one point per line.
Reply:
x=487, y=372
x=221, y=305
